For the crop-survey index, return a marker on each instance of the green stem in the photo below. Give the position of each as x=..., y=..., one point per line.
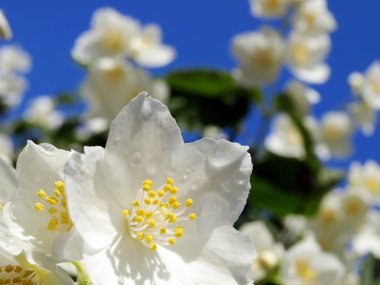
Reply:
x=82, y=278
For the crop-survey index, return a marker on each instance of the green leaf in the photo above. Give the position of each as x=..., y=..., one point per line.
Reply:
x=202, y=97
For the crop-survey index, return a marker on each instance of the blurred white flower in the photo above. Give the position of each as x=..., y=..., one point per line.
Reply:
x=5, y=29
x=214, y=132
x=364, y=116
x=306, y=55
x=148, y=50
x=313, y=17
x=113, y=35
x=305, y=263
x=364, y=179
x=41, y=111
x=6, y=148
x=12, y=87
x=163, y=234
x=91, y=126
x=296, y=225
x=14, y=59
x=302, y=96
x=367, y=85
x=285, y=139
x=259, y=55
x=335, y=134
x=110, y=85
x=368, y=239
x=269, y=8
x=269, y=252
x=39, y=213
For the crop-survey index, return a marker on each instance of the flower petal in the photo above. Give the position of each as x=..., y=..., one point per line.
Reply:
x=9, y=182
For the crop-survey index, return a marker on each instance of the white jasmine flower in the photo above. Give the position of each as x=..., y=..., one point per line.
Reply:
x=305, y=57
x=269, y=8
x=5, y=29
x=40, y=214
x=305, y=263
x=12, y=87
x=335, y=133
x=148, y=50
x=365, y=180
x=6, y=148
x=368, y=239
x=259, y=55
x=14, y=59
x=110, y=85
x=356, y=81
x=302, y=96
x=295, y=224
x=91, y=127
x=313, y=17
x=285, y=139
x=154, y=210
x=9, y=183
x=269, y=252
x=41, y=111
x=364, y=116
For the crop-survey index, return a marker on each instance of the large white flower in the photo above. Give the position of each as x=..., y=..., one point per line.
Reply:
x=305, y=263
x=110, y=85
x=153, y=210
x=42, y=112
x=306, y=55
x=313, y=17
x=259, y=55
x=5, y=29
x=285, y=139
x=39, y=213
x=113, y=35
x=269, y=8
x=364, y=179
x=302, y=96
x=269, y=252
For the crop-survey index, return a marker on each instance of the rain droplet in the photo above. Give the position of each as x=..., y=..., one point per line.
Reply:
x=48, y=147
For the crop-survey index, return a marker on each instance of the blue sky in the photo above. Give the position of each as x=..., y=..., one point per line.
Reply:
x=200, y=30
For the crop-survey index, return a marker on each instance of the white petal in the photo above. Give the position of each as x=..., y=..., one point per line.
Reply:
x=156, y=56
x=317, y=74
x=9, y=182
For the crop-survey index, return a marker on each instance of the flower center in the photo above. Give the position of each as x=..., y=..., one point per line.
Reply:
x=154, y=216
x=17, y=275
x=309, y=19
x=300, y=54
x=56, y=206
x=305, y=272
x=263, y=58
x=271, y=4
x=327, y=216
x=112, y=41
x=375, y=84
x=372, y=185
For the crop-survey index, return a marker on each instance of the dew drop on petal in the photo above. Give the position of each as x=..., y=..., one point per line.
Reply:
x=48, y=147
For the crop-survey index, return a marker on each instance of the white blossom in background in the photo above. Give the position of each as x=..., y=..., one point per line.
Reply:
x=41, y=111
x=368, y=239
x=269, y=8
x=302, y=96
x=269, y=253
x=113, y=35
x=5, y=29
x=110, y=85
x=367, y=85
x=153, y=210
x=14, y=59
x=259, y=55
x=91, y=126
x=305, y=57
x=12, y=87
x=335, y=132
x=39, y=213
x=312, y=17
x=364, y=179
x=364, y=116
x=285, y=139
x=305, y=263
x=214, y=132
x=9, y=183
x=6, y=147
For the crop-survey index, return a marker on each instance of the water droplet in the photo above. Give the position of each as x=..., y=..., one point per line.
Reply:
x=185, y=176
x=146, y=108
x=224, y=154
x=48, y=147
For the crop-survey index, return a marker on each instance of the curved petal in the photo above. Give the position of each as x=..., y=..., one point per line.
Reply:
x=156, y=56
x=9, y=182
x=317, y=74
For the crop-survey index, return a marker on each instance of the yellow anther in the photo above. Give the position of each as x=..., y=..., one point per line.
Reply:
x=173, y=190
x=140, y=236
x=52, y=211
x=171, y=241
x=151, y=194
x=162, y=231
x=169, y=180
x=160, y=193
x=171, y=218
x=167, y=187
x=163, y=205
x=192, y=216
x=155, y=201
x=152, y=246
x=64, y=216
x=51, y=200
x=57, y=193
x=188, y=202
x=138, y=219
x=178, y=232
x=125, y=213
x=172, y=199
x=176, y=205
x=64, y=203
x=9, y=268
x=148, y=238
x=147, y=182
x=151, y=223
x=140, y=212
x=147, y=201
x=135, y=203
x=148, y=214
x=145, y=187
x=52, y=224
x=39, y=207
x=17, y=269
x=41, y=193
x=60, y=186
